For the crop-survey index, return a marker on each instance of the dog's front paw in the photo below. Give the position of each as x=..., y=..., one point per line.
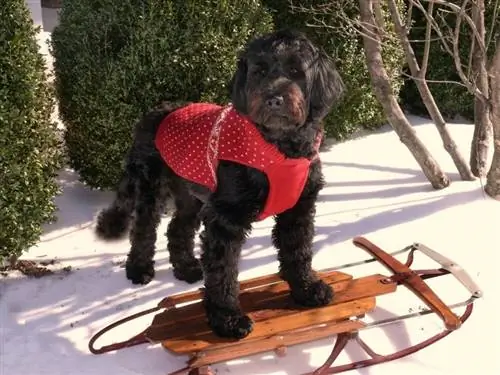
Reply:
x=140, y=273
x=313, y=295
x=189, y=272
x=231, y=325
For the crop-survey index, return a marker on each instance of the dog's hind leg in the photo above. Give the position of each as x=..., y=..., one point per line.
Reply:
x=152, y=195
x=180, y=233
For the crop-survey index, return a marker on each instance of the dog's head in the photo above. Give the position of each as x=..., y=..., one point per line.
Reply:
x=283, y=81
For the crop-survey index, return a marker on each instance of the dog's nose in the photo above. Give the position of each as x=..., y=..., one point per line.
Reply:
x=275, y=102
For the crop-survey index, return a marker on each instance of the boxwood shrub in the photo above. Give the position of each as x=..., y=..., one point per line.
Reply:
x=30, y=153
x=116, y=59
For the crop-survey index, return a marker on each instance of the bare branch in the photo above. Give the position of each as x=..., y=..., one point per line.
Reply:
x=492, y=187
x=453, y=50
x=351, y=25
x=436, y=39
x=409, y=14
x=385, y=95
x=456, y=44
x=379, y=18
x=427, y=46
x=356, y=26
x=496, y=7
x=471, y=53
x=447, y=35
x=434, y=24
x=425, y=93
x=482, y=124
x=403, y=39
x=458, y=83
x=461, y=12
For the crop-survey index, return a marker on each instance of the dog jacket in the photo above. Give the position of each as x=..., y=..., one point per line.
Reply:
x=192, y=139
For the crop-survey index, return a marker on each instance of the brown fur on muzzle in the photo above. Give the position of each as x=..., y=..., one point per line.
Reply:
x=292, y=113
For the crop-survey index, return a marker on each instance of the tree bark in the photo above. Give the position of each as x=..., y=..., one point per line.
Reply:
x=385, y=95
x=419, y=73
x=482, y=124
x=492, y=187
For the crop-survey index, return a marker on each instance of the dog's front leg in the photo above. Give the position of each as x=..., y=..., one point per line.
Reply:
x=293, y=235
x=221, y=244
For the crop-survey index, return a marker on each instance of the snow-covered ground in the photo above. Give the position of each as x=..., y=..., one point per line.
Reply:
x=374, y=189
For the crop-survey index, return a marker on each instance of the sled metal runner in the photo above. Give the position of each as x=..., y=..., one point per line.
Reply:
x=181, y=327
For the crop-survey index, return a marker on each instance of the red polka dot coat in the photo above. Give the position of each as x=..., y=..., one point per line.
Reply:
x=192, y=139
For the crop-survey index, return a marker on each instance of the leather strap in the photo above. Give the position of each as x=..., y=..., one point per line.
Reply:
x=412, y=281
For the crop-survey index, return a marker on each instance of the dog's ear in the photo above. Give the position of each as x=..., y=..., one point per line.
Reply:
x=327, y=87
x=237, y=84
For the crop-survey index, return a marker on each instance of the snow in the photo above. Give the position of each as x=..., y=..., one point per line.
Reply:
x=374, y=188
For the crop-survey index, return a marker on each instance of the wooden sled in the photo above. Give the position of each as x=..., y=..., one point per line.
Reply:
x=278, y=322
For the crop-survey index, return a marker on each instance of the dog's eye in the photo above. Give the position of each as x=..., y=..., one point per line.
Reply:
x=294, y=72
x=260, y=70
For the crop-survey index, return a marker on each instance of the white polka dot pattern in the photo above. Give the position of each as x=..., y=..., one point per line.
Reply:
x=193, y=139
x=183, y=142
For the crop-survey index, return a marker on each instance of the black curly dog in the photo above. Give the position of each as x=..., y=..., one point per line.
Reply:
x=286, y=86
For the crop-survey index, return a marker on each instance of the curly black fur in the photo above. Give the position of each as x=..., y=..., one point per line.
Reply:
x=286, y=86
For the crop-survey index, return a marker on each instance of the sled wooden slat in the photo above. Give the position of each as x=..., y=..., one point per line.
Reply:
x=244, y=285
x=272, y=326
x=256, y=294
x=184, y=329
x=282, y=340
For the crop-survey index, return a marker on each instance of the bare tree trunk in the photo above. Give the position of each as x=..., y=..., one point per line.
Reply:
x=482, y=124
x=419, y=74
x=385, y=95
x=492, y=187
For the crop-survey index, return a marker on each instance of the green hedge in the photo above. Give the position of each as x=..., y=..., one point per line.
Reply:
x=116, y=59
x=360, y=107
x=29, y=144
x=451, y=98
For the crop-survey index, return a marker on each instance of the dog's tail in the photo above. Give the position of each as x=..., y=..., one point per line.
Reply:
x=113, y=222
